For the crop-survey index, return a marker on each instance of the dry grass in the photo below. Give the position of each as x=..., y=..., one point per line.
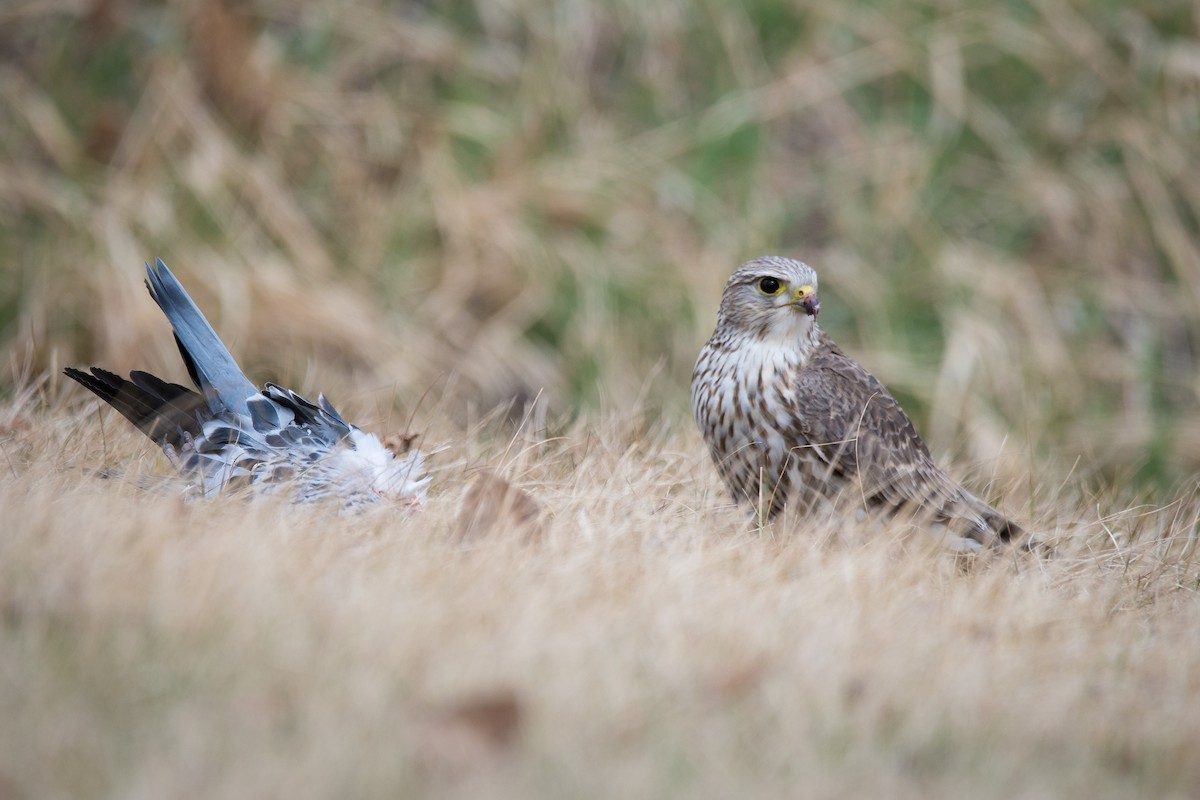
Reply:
x=430, y=213
x=643, y=644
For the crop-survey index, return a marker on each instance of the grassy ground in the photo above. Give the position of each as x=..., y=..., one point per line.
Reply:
x=434, y=212
x=634, y=641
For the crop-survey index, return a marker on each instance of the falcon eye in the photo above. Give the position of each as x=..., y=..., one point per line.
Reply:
x=770, y=286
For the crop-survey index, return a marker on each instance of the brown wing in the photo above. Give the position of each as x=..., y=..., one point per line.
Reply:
x=864, y=437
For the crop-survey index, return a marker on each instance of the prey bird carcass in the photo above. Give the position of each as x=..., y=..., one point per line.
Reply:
x=228, y=433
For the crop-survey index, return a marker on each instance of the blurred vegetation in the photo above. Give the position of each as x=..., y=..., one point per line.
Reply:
x=478, y=202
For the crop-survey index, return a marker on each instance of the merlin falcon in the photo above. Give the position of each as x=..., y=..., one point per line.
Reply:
x=791, y=420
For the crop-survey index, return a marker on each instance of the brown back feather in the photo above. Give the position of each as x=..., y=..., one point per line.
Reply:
x=863, y=435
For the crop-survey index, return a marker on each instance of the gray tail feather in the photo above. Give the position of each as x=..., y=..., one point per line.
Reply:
x=208, y=361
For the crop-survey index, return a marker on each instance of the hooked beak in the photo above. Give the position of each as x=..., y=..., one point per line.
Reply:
x=806, y=298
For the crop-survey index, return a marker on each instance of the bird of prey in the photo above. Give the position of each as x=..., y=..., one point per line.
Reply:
x=232, y=434
x=790, y=419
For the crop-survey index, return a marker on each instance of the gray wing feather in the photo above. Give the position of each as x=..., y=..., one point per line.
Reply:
x=283, y=436
x=209, y=361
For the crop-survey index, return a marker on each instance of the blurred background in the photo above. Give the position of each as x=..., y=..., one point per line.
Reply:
x=448, y=208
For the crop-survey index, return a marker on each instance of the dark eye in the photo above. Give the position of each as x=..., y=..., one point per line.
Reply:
x=769, y=286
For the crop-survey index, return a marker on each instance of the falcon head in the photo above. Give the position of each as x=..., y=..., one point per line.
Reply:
x=772, y=298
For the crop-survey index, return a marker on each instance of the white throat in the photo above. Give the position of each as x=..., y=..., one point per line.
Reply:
x=784, y=344
x=791, y=331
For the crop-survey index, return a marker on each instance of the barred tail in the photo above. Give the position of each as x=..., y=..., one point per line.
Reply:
x=1005, y=529
x=1000, y=529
